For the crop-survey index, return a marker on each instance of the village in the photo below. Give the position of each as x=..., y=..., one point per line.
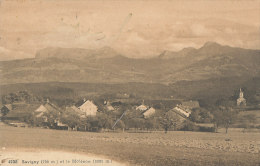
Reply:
x=121, y=114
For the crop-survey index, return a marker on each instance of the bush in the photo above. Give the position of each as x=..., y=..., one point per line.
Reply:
x=206, y=129
x=189, y=126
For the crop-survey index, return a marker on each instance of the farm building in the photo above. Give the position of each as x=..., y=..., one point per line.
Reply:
x=149, y=112
x=50, y=109
x=185, y=111
x=186, y=107
x=20, y=111
x=88, y=108
x=46, y=108
x=163, y=104
x=40, y=111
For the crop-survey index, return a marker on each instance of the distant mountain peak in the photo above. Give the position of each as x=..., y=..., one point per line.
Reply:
x=211, y=44
x=188, y=49
x=209, y=48
x=213, y=48
x=166, y=54
x=104, y=65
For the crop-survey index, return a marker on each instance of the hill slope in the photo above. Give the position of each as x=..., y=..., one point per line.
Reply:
x=106, y=65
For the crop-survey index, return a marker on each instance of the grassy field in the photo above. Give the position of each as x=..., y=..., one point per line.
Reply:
x=174, y=148
x=253, y=113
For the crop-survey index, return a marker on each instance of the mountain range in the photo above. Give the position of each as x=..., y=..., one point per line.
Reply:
x=105, y=65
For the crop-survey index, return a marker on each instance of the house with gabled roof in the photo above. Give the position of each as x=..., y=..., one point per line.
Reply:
x=46, y=108
x=40, y=111
x=88, y=108
x=20, y=112
x=186, y=107
x=148, y=113
x=182, y=110
x=50, y=109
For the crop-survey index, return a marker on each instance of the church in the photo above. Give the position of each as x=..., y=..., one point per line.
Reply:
x=241, y=101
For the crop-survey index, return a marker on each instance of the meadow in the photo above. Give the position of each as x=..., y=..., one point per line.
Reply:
x=153, y=149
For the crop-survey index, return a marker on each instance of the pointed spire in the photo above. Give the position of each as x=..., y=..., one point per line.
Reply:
x=241, y=94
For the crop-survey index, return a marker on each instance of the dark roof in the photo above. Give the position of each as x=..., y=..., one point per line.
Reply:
x=178, y=113
x=8, y=106
x=167, y=103
x=191, y=104
x=51, y=107
x=80, y=102
x=73, y=109
x=20, y=110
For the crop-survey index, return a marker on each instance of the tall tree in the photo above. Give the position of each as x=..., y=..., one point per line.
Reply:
x=169, y=120
x=70, y=118
x=225, y=116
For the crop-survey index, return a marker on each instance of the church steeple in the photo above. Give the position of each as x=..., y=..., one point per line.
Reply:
x=241, y=100
x=241, y=94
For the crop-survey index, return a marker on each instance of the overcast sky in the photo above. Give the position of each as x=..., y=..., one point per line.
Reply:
x=133, y=28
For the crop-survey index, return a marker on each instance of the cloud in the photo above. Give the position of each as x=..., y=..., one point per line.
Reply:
x=200, y=30
x=132, y=44
x=6, y=54
x=154, y=26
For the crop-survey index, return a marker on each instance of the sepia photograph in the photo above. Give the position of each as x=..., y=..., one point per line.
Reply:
x=129, y=82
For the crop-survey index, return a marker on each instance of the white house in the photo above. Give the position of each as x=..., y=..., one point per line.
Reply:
x=46, y=108
x=142, y=108
x=88, y=108
x=40, y=111
x=149, y=112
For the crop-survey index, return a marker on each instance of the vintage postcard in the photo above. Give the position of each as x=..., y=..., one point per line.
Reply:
x=129, y=82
